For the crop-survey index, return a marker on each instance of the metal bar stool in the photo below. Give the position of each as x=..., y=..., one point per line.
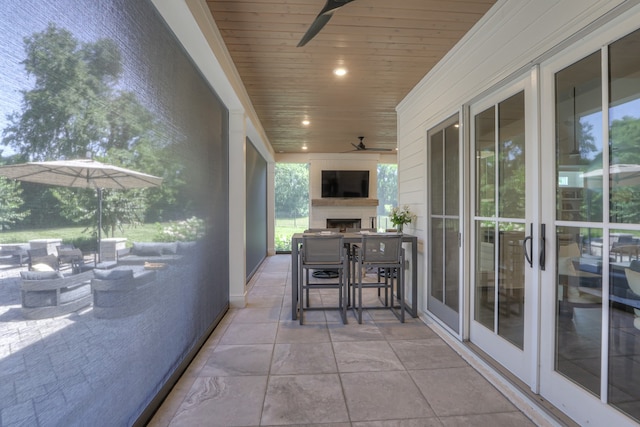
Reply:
x=322, y=252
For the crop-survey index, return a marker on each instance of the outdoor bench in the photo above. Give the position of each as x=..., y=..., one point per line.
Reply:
x=49, y=294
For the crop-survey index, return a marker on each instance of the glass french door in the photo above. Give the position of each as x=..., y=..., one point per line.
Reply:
x=590, y=340
x=443, y=297
x=504, y=211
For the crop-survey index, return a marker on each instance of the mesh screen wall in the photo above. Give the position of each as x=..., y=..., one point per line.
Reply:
x=109, y=77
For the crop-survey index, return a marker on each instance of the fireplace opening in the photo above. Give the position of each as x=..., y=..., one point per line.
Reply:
x=343, y=223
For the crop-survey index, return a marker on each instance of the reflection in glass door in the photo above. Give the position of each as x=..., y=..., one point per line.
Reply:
x=444, y=222
x=592, y=359
x=498, y=325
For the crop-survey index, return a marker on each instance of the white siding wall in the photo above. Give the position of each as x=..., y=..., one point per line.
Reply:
x=514, y=35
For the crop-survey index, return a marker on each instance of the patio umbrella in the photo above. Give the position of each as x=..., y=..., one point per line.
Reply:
x=81, y=173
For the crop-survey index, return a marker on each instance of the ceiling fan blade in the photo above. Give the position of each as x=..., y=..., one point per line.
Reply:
x=378, y=149
x=356, y=147
x=322, y=19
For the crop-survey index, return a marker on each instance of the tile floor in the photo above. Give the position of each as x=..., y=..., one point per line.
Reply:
x=260, y=368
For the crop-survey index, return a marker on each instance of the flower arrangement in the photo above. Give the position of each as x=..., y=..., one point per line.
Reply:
x=401, y=216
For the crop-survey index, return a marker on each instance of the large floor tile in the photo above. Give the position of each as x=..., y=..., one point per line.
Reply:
x=258, y=315
x=416, y=422
x=306, y=358
x=366, y=356
x=222, y=401
x=383, y=396
x=426, y=354
x=460, y=391
x=506, y=419
x=304, y=399
x=250, y=333
x=292, y=332
x=411, y=330
x=354, y=331
x=232, y=360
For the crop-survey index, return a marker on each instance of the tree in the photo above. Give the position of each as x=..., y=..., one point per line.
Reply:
x=10, y=204
x=65, y=114
x=73, y=109
x=387, y=187
x=625, y=198
x=292, y=190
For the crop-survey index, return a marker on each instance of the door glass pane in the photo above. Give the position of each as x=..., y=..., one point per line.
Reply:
x=511, y=283
x=444, y=282
x=485, y=273
x=452, y=265
x=436, y=166
x=624, y=129
x=512, y=156
x=451, y=159
x=485, y=162
x=500, y=284
x=579, y=305
x=579, y=141
x=437, y=258
x=624, y=267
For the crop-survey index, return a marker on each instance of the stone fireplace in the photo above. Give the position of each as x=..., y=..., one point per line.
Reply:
x=343, y=213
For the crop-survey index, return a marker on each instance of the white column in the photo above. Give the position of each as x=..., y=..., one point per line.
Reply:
x=271, y=208
x=237, y=208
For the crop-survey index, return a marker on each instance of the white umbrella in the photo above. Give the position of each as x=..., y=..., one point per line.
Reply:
x=81, y=173
x=620, y=174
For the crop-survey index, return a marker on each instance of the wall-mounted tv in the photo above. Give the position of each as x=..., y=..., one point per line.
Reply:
x=345, y=183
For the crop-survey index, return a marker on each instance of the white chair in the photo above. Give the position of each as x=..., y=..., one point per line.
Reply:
x=570, y=295
x=380, y=252
x=633, y=279
x=323, y=252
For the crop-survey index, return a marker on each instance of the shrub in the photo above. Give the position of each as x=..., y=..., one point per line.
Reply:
x=184, y=231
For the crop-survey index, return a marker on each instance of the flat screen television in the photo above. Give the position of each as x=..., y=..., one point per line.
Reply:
x=345, y=183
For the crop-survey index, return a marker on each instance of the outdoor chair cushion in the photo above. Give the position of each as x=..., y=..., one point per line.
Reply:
x=113, y=274
x=154, y=248
x=41, y=275
x=48, y=263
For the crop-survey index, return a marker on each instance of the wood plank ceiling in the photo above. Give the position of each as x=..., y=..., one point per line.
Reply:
x=385, y=46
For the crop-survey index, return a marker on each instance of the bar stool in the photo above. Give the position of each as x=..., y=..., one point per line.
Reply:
x=381, y=252
x=322, y=252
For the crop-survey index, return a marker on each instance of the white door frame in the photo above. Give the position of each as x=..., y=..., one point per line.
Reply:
x=522, y=363
x=581, y=405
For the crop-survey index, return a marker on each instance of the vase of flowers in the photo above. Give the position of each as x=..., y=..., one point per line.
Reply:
x=401, y=216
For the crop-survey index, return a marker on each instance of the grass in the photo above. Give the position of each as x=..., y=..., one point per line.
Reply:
x=141, y=233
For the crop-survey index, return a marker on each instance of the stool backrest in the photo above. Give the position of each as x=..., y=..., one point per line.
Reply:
x=381, y=248
x=322, y=249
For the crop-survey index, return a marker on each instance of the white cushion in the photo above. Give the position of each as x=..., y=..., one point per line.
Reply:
x=42, y=267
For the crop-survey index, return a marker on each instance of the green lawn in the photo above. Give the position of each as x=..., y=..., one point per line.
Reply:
x=141, y=233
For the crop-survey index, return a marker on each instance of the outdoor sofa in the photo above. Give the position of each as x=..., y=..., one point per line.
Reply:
x=157, y=253
x=120, y=292
x=50, y=294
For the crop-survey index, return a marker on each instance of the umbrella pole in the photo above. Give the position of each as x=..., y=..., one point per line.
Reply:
x=99, y=222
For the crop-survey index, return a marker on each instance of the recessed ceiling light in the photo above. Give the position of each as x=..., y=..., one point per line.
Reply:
x=340, y=72
x=306, y=122
x=304, y=147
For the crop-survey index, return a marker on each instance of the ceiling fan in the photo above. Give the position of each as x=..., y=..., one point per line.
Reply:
x=321, y=20
x=362, y=147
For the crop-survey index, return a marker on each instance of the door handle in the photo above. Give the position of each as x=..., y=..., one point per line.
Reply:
x=527, y=252
x=543, y=243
